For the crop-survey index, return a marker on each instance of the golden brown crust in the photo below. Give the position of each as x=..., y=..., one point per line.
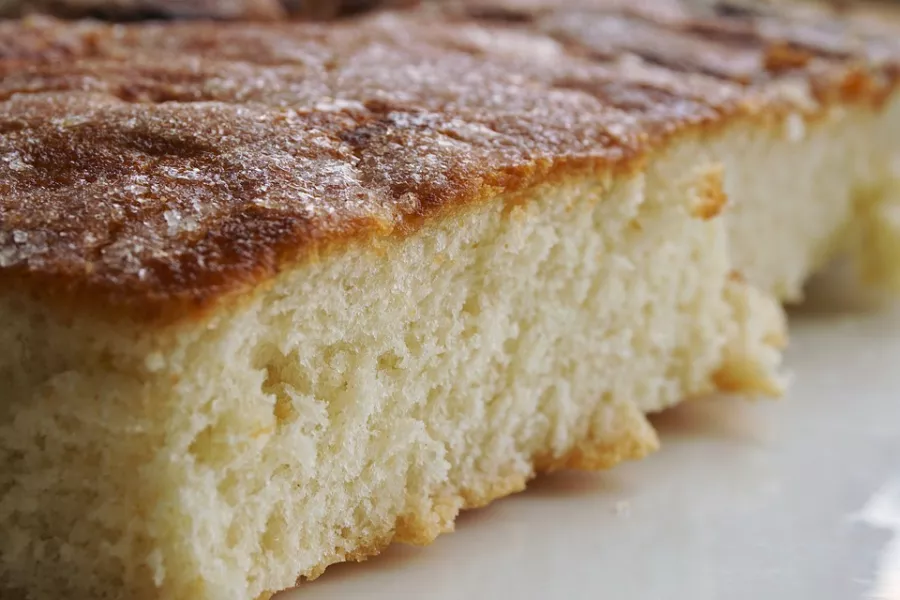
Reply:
x=623, y=435
x=741, y=376
x=152, y=170
x=710, y=196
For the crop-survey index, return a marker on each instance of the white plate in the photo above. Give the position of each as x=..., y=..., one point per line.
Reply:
x=785, y=500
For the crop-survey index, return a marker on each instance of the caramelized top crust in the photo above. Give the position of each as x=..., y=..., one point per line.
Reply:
x=151, y=170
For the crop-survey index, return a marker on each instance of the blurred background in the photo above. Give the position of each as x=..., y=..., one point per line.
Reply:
x=131, y=10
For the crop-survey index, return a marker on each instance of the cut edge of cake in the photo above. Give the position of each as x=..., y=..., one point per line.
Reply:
x=368, y=393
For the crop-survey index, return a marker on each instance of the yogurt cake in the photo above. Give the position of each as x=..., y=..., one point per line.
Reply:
x=274, y=295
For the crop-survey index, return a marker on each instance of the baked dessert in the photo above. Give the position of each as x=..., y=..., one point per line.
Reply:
x=273, y=296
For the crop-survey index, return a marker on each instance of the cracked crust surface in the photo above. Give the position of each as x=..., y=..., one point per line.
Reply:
x=154, y=169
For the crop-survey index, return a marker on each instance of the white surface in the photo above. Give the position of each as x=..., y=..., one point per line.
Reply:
x=795, y=499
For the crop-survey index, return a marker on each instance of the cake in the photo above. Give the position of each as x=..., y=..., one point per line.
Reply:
x=276, y=295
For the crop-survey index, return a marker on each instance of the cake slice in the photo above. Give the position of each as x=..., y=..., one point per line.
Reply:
x=274, y=296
